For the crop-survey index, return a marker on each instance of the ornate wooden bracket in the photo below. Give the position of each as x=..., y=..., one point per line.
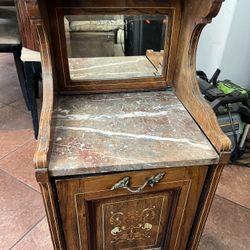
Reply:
x=197, y=15
x=41, y=154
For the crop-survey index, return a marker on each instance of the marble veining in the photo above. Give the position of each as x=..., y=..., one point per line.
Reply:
x=125, y=131
x=134, y=136
x=117, y=116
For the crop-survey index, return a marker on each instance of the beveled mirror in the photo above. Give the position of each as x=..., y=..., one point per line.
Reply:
x=110, y=47
x=115, y=49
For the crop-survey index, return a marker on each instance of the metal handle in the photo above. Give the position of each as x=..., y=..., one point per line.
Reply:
x=124, y=183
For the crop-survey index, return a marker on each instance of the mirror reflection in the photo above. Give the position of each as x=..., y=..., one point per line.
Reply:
x=103, y=47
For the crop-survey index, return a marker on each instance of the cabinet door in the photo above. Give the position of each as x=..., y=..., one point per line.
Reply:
x=136, y=214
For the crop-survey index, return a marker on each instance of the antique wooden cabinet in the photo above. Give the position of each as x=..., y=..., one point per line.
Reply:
x=129, y=154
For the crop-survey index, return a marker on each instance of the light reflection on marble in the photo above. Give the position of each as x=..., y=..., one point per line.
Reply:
x=122, y=132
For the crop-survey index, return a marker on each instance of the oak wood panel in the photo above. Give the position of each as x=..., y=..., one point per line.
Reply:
x=82, y=200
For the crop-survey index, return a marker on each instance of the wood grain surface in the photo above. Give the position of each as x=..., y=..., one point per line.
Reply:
x=88, y=205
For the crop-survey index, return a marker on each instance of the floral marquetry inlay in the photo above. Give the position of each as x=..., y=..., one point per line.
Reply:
x=133, y=225
x=134, y=222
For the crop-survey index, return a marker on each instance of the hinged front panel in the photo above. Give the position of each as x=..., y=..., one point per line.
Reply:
x=129, y=210
x=137, y=221
x=134, y=222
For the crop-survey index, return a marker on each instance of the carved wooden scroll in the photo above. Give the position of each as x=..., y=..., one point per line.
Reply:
x=41, y=154
x=196, y=15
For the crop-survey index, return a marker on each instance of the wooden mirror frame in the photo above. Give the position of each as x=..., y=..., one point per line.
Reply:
x=98, y=86
x=57, y=10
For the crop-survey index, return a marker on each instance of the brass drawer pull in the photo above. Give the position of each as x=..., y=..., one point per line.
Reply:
x=124, y=183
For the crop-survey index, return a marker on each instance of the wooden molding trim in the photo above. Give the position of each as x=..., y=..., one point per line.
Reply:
x=52, y=215
x=197, y=15
x=41, y=154
x=42, y=150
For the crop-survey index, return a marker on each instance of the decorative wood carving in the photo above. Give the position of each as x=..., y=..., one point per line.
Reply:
x=128, y=227
x=197, y=14
x=48, y=96
x=138, y=225
x=41, y=154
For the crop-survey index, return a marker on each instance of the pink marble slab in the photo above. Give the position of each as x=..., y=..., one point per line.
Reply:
x=125, y=131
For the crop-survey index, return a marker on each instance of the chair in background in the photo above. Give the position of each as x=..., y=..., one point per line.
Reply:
x=27, y=61
x=32, y=67
x=10, y=41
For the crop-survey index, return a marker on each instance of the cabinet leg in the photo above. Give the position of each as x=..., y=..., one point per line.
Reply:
x=52, y=216
x=31, y=90
x=207, y=196
x=20, y=73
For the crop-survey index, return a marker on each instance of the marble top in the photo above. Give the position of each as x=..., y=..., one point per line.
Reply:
x=123, y=132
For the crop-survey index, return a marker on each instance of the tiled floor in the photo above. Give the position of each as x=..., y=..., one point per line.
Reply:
x=23, y=225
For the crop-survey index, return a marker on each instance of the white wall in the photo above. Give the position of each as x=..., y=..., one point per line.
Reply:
x=225, y=43
x=235, y=62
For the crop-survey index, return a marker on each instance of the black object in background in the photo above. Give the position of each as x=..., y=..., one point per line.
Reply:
x=142, y=33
